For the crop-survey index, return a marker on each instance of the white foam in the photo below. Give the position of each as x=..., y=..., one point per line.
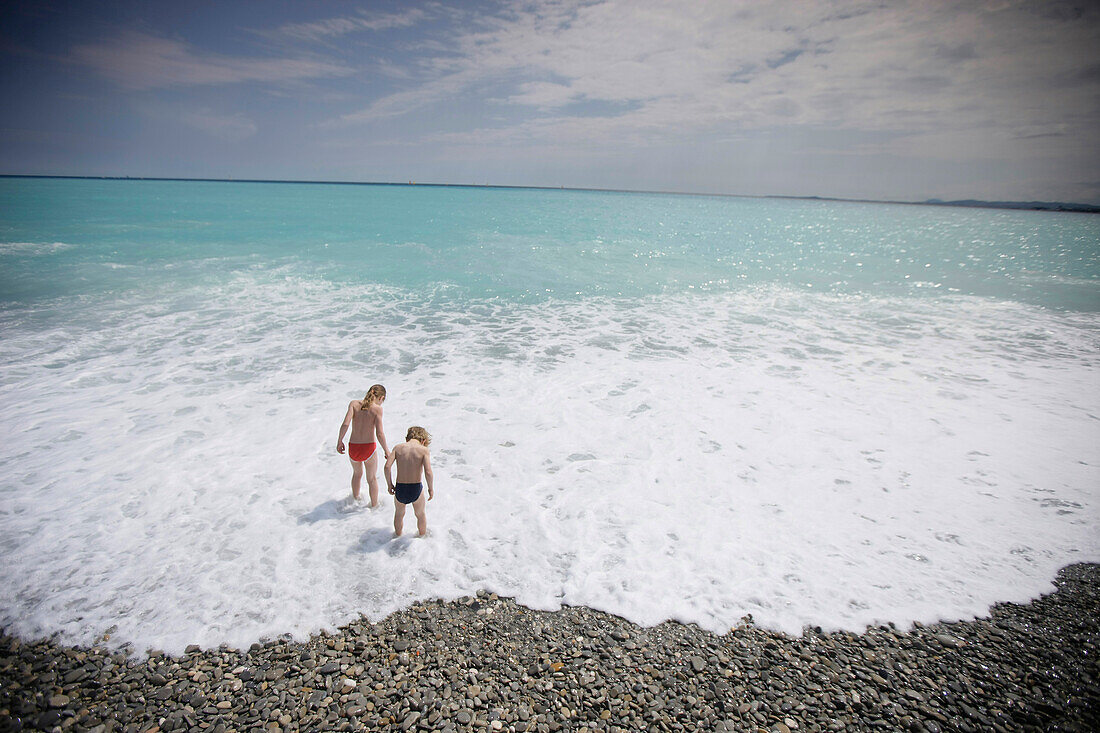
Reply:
x=168, y=464
x=32, y=248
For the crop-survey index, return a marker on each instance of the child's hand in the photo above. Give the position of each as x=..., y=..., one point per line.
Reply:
x=340, y=447
x=390, y=489
x=430, y=494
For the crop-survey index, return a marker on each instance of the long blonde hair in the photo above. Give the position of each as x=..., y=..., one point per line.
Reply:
x=376, y=393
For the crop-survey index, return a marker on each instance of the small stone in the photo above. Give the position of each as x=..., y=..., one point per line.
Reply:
x=496, y=725
x=949, y=641
x=329, y=668
x=697, y=663
x=463, y=717
x=59, y=701
x=49, y=719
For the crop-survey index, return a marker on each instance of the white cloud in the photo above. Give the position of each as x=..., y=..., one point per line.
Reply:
x=1012, y=70
x=544, y=94
x=321, y=30
x=141, y=61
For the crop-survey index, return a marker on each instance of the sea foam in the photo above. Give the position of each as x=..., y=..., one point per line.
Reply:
x=169, y=469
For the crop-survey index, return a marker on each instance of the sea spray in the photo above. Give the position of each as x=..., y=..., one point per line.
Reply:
x=657, y=445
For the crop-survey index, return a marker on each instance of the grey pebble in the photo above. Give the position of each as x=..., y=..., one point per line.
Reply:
x=1027, y=667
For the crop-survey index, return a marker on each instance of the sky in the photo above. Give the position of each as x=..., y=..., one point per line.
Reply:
x=888, y=100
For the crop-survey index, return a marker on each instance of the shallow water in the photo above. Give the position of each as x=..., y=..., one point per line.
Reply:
x=660, y=406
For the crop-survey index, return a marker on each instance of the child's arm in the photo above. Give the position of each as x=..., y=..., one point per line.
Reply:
x=380, y=434
x=428, y=472
x=344, y=427
x=390, y=458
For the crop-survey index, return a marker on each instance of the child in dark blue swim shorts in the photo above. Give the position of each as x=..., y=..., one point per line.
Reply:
x=414, y=462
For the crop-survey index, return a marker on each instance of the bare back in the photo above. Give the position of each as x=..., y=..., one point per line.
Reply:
x=364, y=421
x=413, y=460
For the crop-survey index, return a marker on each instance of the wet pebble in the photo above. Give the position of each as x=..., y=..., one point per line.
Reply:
x=488, y=664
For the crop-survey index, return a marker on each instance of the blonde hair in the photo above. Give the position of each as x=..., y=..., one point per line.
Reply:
x=376, y=393
x=418, y=433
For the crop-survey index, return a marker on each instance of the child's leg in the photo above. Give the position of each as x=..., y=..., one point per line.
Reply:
x=421, y=516
x=356, y=477
x=398, y=517
x=372, y=477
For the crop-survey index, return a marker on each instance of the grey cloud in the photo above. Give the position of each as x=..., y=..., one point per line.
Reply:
x=923, y=84
x=785, y=58
x=954, y=75
x=957, y=52
x=782, y=107
x=1089, y=74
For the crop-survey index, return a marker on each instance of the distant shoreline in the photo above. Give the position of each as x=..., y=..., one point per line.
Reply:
x=1059, y=206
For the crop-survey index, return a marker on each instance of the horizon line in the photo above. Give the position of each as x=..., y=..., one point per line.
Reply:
x=1074, y=207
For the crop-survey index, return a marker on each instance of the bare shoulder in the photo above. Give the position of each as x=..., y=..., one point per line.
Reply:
x=355, y=404
x=376, y=409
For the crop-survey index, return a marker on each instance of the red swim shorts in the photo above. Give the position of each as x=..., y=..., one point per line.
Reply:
x=361, y=451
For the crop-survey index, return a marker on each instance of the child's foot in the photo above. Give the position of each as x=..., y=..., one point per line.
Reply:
x=350, y=504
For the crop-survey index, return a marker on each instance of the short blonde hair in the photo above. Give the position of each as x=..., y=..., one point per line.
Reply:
x=418, y=433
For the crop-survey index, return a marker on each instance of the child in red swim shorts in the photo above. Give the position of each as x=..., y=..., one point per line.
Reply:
x=365, y=419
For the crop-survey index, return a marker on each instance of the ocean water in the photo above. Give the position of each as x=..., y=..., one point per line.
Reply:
x=687, y=407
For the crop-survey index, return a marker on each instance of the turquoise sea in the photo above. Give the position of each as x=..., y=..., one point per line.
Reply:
x=665, y=406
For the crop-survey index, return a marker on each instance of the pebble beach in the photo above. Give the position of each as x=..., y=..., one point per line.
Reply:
x=485, y=663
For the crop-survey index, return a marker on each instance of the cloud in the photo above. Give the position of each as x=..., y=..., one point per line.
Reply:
x=544, y=94
x=140, y=61
x=1013, y=69
x=321, y=30
x=405, y=102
